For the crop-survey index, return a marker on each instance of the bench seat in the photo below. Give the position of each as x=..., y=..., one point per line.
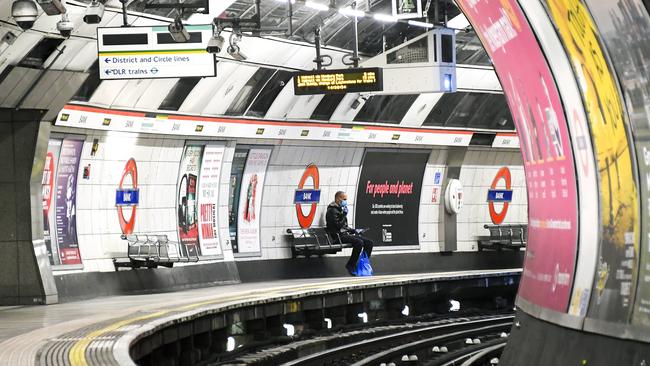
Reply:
x=504, y=237
x=313, y=241
x=152, y=250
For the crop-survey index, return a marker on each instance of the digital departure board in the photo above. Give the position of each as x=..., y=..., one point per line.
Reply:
x=338, y=81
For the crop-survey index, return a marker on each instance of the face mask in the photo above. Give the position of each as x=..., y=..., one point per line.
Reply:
x=344, y=203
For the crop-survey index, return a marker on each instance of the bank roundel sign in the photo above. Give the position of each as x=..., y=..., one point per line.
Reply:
x=307, y=194
x=127, y=195
x=497, y=194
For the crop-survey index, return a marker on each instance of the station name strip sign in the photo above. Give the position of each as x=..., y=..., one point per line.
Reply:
x=181, y=125
x=151, y=53
x=499, y=195
x=307, y=196
x=338, y=81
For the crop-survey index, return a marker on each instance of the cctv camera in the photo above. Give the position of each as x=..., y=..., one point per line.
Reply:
x=178, y=31
x=24, y=13
x=236, y=53
x=65, y=26
x=52, y=7
x=94, y=13
x=215, y=44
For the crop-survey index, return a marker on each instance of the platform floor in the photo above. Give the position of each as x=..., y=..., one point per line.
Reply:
x=24, y=330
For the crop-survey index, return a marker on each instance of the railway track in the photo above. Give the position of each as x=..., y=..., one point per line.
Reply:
x=430, y=343
x=416, y=346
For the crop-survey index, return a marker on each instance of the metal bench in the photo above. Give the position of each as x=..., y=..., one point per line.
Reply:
x=313, y=241
x=151, y=251
x=504, y=236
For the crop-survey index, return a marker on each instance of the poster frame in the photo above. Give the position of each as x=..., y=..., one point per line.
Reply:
x=187, y=143
x=250, y=147
x=70, y=136
x=392, y=248
x=206, y=143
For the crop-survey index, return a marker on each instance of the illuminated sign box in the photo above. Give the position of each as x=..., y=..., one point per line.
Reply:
x=338, y=81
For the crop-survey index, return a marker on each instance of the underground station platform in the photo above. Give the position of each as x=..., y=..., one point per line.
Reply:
x=325, y=182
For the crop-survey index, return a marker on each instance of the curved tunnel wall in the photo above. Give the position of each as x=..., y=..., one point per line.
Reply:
x=158, y=164
x=574, y=73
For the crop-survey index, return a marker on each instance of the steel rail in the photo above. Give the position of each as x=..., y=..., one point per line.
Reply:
x=439, y=333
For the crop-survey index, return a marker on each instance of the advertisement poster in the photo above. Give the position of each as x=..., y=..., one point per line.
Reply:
x=388, y=196
x=66, y=202
x=209, y=199
x=623, y=29
x=545, y=146
x=236, y=175
x=47, y=190
x=616, y=272
x=186, y=199
x=250, y=199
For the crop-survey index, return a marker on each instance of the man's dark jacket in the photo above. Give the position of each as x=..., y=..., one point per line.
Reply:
x=336, y=219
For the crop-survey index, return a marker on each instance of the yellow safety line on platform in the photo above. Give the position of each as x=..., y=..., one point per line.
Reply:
x=78, y=351
x=77, y=355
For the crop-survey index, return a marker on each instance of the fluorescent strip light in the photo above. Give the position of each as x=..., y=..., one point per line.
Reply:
x=286, y=1
x=420, y=24
x=385, y=18
x=316, y=6
x=352, y=12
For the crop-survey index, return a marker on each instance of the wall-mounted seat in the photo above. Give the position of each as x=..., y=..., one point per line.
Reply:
x=152, y=250
x=504, y=237
x=313, y=241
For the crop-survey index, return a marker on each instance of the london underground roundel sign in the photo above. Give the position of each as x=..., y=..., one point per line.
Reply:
x=500, y=195
x=127, y=195
x=307, y=196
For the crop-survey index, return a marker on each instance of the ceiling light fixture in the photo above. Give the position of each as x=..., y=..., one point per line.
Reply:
x=385, y=18
x=316, y=6
x=352, y=12
x=420, y=24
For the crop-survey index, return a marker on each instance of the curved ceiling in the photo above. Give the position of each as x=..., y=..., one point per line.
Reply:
x=261, y=87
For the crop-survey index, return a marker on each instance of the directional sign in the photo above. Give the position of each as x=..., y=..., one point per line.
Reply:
x=151, y=53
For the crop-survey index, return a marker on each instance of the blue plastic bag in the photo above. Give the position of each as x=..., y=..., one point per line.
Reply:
x=363, y=265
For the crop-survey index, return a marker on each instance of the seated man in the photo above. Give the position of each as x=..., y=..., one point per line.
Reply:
x=337, y=223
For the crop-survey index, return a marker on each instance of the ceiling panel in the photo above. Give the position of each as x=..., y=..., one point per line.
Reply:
x=154, y=94
x=205, y=90
x=420, y=109
x=107, y=91
x=228, y=90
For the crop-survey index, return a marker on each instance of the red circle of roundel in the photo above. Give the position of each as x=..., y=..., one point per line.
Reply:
x=129, y=169
x=306, y=221
x=498, y=217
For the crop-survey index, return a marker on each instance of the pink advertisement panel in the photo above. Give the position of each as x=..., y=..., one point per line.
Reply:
x=550, y=174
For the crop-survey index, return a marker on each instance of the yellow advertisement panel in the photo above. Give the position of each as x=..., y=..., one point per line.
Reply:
x=615, y=281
